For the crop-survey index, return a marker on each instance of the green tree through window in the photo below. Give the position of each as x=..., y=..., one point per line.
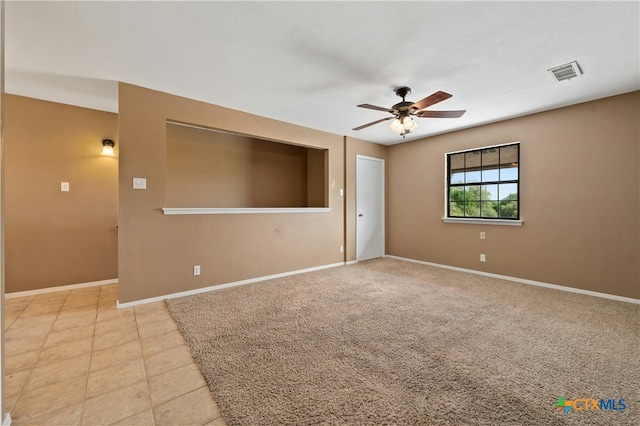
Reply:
x=484, y=183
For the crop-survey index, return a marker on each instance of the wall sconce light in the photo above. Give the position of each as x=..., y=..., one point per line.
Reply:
x=107, y=148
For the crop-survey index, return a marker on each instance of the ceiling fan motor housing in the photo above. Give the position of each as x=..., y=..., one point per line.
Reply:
x=404, y=106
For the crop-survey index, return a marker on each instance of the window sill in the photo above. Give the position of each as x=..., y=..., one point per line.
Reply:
x=503, y=222
x=191, y=210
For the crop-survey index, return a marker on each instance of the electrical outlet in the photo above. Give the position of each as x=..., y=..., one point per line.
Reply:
x=482, y=235
x=483, y=258
x=196, y=270
x=341, y=249
x=64, y=186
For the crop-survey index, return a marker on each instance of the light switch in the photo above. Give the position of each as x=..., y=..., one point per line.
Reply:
x=139, y=183
x=64, y=186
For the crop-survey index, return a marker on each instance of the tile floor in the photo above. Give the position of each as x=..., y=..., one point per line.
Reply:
x=72, y=358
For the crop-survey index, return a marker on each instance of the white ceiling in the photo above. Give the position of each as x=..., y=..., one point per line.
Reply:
x=311, y=63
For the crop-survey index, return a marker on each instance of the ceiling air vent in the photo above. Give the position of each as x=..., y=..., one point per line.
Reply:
x=566, y=71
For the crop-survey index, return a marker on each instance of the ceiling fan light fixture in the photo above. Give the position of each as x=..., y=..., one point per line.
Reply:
x=403, y=125
x=396, y=126
x=408, y=124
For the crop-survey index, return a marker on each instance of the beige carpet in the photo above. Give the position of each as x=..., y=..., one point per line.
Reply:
x=389, y=342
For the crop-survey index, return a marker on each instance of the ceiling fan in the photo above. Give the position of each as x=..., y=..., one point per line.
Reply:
x=403, y=122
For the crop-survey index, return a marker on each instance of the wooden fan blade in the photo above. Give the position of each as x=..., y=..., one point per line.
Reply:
x=377, y=108
x=372, y=123
x=441, y=114
x=431, y=100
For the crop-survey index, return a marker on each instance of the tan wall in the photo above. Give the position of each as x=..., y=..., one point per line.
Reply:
x=579, y=192
x=353, y=148
x=58, y=238
x=157, y=252
x=215, y=169
x=317, y=189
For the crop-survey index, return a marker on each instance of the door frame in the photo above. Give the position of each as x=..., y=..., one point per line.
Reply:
x=382, y=207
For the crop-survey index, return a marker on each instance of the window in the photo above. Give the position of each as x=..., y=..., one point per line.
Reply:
x=484, y=183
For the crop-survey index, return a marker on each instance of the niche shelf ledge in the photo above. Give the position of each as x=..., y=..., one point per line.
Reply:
x=247, y=210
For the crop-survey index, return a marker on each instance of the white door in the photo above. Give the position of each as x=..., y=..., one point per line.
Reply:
x=369, y=208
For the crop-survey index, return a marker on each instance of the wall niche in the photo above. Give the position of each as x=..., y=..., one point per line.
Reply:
x=209, y=168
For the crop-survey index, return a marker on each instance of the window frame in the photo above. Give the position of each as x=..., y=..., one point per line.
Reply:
x=517, y=221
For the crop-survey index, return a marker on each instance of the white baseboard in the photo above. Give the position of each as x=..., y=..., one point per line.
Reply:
x=7, y=420
x=351, y=262
x=59, y=288
x=221, y=286
x=525, y=281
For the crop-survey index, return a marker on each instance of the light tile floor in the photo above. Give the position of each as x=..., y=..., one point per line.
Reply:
x=72, y=358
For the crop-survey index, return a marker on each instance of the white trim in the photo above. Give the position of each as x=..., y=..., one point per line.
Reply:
x=482, y=147
x=221, y=286
x=59, y=288
x=525, y=281
x=475, y=221
x=7, y=420
x=366, y=157
x=249, y=210
x=351, y=262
